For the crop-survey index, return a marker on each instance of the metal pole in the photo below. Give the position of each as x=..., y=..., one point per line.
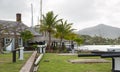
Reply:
x=41, y=15
x=41, y=11
x=31, y=15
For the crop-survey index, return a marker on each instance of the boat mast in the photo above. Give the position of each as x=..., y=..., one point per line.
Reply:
x=40, y=11
x=31, y=15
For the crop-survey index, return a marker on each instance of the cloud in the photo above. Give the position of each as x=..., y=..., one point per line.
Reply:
x=109, y=11
x=78, y=12
x=10, y=8
x=82, y=13
x=75, y=10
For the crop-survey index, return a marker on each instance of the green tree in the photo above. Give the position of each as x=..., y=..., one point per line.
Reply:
x=48, y=25
x=118, y=40
x=71, y=36
x=86, y=39
x=78, y=40
x=98, y=40
x=62, y=30
x=26, y=35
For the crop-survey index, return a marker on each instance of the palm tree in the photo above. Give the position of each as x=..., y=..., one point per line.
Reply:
x=71, y=37
x=48, y=25
x=78, y=40
x=62, y=30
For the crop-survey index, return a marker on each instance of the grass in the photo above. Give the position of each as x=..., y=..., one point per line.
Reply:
x=6, y=64
x=60, y=64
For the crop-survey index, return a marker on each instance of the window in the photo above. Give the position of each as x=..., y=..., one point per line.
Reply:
x=7, y=40
x=19, y=41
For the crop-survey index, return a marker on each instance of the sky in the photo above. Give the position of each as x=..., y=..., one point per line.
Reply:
x=82, y=13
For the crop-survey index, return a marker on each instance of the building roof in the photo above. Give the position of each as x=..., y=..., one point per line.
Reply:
x=32, y=30
x=18, y=26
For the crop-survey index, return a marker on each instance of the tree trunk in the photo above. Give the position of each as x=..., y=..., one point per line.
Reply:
x=16, y=43
x=49, y=42
x=61, y=47
x=1, y=48
x=61, y=42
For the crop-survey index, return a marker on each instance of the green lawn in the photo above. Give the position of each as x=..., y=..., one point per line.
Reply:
x=60, y=64
x=6, y=64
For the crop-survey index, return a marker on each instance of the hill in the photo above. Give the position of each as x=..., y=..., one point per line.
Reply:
x=101, y=30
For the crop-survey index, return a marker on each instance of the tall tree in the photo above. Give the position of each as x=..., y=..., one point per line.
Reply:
x=71, y=37
x=48, y=25
x=62, y=30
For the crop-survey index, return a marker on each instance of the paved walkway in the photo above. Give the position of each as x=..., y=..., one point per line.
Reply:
x=89, y=61
x=68, y=54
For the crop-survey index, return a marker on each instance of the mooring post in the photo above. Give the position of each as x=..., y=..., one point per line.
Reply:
x=21, y=53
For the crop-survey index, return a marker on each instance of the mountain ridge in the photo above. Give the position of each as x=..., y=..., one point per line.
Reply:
x=102, y=30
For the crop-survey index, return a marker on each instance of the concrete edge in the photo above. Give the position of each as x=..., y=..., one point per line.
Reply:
x=37, y=62
x=28, y=66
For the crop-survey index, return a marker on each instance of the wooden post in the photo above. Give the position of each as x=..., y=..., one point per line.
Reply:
x=14, y=56
x=113, y=64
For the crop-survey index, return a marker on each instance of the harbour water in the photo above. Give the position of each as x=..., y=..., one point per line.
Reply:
x=97, y=47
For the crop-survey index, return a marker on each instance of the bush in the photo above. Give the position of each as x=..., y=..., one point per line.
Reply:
x=34, y=46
